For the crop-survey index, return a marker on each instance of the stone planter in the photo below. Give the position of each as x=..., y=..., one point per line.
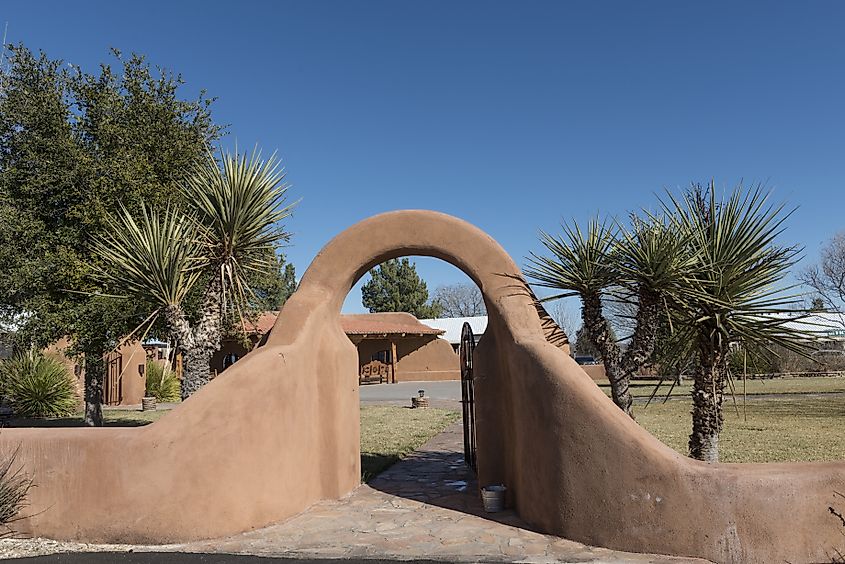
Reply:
x=148, y=403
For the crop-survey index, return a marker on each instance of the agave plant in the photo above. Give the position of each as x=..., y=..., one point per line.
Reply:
x=732, y=295
x=162, y=382
x=638, y=265
x=227, y=227
x=38, y=386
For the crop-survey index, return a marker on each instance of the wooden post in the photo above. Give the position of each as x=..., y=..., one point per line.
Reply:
x=393, y=360
x=744, y=380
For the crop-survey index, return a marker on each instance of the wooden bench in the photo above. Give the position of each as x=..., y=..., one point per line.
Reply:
x=374, y=372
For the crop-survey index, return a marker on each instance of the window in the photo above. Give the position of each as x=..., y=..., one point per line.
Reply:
x=229, y=360
x=382, y=356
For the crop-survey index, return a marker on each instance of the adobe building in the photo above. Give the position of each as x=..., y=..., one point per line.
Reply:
x=124, y=382
x=392, y=347
x=396, y=347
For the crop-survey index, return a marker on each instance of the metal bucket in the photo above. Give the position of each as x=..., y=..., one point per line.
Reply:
x=493, y=498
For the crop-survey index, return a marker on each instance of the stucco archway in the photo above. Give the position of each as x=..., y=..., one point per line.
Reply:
x=279, y=431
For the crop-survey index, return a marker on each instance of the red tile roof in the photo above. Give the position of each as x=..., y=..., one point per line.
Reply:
x=385, y=323
x=360, y=324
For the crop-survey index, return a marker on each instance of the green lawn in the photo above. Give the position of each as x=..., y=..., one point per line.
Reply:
x=819, y=385
x=111, y=418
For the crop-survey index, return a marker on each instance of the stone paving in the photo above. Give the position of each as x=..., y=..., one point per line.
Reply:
x=425, y=507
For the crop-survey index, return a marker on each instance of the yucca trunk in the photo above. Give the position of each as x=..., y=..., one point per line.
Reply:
x=94, y=376
x=644, y=340
x=198, y=344
x=707, y=395
x=599, y=332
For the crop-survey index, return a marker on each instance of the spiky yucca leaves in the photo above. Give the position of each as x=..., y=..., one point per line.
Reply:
x=159, y=255
x=580, y=263
x=240, y=205
x=37, y=386
x=641, y=265
x=14, y=488
x=162, y=382
x=733, y=293
x=228, y=227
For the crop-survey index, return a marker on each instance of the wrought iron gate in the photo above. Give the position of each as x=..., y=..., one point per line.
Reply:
x=467, y=394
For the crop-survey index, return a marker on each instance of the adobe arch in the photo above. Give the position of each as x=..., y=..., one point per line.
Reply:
x=280, y=430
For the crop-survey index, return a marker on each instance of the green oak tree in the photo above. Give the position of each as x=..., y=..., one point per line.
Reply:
x=75, y=147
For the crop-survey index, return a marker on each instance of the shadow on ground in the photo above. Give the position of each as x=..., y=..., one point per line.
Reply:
x=436, y=474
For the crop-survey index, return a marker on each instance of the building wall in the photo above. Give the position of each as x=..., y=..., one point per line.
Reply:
x=595, y=371
x=423, y=358
x=229, y=346
x=133, y=383
x=58, y=350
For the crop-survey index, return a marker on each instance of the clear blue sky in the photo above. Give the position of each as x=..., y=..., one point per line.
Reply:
x=511, y=116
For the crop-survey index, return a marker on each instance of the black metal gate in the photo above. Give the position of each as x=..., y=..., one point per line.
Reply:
x=467, y=394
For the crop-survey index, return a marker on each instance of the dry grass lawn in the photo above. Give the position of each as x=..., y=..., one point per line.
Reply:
x=777, y=430
x=388, y=433
x=815, y=385
x=792, y=429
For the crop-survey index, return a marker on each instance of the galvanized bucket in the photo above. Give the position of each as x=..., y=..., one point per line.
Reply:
x=493, y=498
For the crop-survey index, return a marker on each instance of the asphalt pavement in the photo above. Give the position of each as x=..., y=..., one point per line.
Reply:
x=182, y=558
x=402, y=392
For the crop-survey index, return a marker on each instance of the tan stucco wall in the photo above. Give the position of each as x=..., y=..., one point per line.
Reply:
x=132, y=381
x=58, y=350
x=575, y=465
x=423, y=358
x=596, y=372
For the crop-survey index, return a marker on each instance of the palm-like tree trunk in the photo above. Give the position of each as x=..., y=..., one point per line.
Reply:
x=94, y=376
x=199, y=343
x=707, y=395
x=598, y=330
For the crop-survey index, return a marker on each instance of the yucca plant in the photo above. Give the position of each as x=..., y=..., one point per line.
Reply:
x=14, y=488
x=638, y=265
x=227, y=227
x=162, y=382
x=37, y=386
x=734, y=294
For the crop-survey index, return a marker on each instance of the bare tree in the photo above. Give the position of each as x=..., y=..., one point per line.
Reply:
x=564, y=319
x=460, y=300
x=827, y=278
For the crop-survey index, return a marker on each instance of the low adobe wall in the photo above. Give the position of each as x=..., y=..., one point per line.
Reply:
x=574, y=464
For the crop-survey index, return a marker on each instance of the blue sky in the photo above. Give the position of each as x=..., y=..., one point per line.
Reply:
x=510, y=115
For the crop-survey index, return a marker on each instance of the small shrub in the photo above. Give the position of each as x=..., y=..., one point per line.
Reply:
x=37, y=386
x=162, y=382
x=14, y=487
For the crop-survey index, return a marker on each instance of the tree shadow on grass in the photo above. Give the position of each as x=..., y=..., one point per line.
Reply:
x=56, y=422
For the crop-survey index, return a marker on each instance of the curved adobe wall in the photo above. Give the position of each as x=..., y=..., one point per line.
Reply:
x=279, y=431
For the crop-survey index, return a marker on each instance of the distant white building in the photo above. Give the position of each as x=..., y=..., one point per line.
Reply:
x=828, y=328
x=454, y=325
